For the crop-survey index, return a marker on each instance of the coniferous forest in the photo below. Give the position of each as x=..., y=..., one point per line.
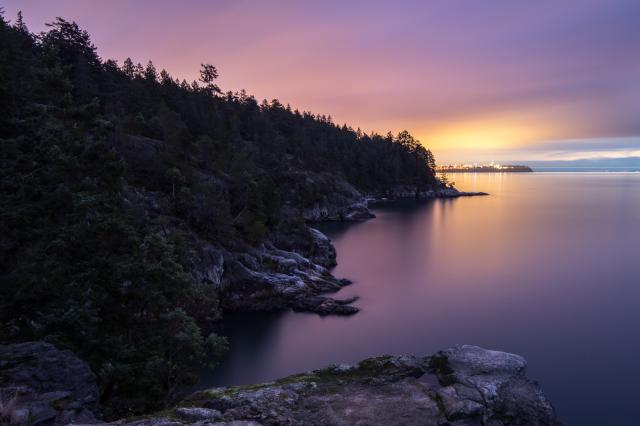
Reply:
x=89, y=148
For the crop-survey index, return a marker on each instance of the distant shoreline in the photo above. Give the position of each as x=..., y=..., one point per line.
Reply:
x=484, y=169
x=567, y=170
x=586, y=169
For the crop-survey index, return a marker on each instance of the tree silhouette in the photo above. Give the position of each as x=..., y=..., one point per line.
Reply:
x=208, y=74
x=109, y=175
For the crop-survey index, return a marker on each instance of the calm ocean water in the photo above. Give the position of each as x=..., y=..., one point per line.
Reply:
x=547, y=266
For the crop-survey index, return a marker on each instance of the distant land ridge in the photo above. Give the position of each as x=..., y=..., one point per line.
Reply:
x=491, y=168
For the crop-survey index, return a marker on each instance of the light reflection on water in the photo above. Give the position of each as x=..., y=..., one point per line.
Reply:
x=546, y=266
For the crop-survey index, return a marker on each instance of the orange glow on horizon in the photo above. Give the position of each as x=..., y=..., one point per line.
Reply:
x=492, y=92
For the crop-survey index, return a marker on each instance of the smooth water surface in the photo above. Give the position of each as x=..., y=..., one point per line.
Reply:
x=547, y=266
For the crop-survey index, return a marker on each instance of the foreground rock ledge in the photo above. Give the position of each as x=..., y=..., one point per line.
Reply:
x=40, y=384
x=464, y=385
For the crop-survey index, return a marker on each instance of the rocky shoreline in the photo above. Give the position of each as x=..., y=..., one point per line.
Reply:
x=355, y=207
x=290, y=268
x=463, y=385
x=40, y=384
x=405, y=193
x=271, y=278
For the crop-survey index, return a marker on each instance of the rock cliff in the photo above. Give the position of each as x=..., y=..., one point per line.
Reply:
x=289, y=269
x=40, y=384
x=292, y=270
x=463, y=385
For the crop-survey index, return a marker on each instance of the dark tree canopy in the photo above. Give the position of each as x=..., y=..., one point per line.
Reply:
x=81, y=265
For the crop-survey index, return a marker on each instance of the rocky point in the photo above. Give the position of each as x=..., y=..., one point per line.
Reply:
x=463, y=385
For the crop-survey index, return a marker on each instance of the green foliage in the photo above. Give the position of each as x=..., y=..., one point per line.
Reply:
x=85, y=264
x=78, y=269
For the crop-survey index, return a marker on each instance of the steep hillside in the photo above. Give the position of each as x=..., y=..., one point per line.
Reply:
x=137, y=208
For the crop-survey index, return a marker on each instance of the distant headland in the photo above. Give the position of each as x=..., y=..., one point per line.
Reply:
x=483, y=168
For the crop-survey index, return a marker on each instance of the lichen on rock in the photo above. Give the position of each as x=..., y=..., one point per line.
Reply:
x=464, y=385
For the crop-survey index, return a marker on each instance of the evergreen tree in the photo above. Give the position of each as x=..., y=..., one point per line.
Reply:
x=20, y=25
x=98, y=161
x=128, y=68
x=150, y=73
x=208, y=74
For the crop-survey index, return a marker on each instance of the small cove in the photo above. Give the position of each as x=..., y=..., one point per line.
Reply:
x=546, y=267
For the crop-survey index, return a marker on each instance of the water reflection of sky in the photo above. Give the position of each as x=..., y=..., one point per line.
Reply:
x=546, y=266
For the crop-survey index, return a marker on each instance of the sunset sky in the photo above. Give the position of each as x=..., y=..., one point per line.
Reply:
x=473, y=80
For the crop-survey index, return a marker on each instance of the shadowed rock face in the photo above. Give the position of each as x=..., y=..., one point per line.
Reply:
x=267, y=278
x=47, y=386
x=290, y=272
x=464, y=385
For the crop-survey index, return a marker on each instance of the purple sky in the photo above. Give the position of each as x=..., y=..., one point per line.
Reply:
x=473, y=80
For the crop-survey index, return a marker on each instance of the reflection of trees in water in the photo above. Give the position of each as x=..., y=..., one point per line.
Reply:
x=251, y=336
x=335, y=230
